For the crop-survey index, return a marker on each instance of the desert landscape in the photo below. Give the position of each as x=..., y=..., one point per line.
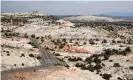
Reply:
x=36, y=46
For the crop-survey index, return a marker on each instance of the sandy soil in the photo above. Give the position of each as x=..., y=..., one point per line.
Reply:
x=56, y=73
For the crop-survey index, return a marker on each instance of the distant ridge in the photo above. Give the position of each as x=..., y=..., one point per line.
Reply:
x=119, y=14
x=103, y=18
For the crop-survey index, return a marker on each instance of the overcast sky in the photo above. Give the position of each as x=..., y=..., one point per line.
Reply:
x=67, y=7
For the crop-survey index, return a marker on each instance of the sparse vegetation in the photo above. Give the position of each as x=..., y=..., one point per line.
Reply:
x=110, y=60
x=8, y=54
x=22, y=55
x=107, y=76
x=67, y=66
x=31, y=55
x=72, y=42
x=92, y=42
x=116, y=65
x=104, y=41
x=22, y=64
x=37, y=37
x=38, y=57
x=33, y=35
x=79, y=65
x=131, y=67
x=90, y=68
x=113, y=41
x=128, y=49
x=97, y=66
x=14, y=64
x=84, y=43
x=26, y=35
x=32, y=44
x=119, y=78
x=57, y=54
x=75, y=59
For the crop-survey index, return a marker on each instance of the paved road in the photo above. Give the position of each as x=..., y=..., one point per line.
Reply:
x=49, y=60
x=47, y=57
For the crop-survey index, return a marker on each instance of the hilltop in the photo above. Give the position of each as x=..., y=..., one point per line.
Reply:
x=99, y=18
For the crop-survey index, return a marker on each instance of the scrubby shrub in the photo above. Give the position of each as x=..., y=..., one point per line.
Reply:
x=76, y=43
x=37, y=37
x=131, y=67
x=104, y=41
x=118, y=41
x=61, y=46
x=79, y=65
x=110, y=60
x=38, y=57
x=57, y=54
x=84, y=67
x=67, y=57
x=119, y=78
x=62, y=60
x=67, y=66
x=33, y=35
x=97, y=71
x=107, y=51
x=93, y=58
x=130, y=41
x=22, y=55
x=116, y=65
x=115, y=51
x=97, y=60
x=103, y=64
x=97, y=66
x=58, y=41
x=14, y=64
x=113, y=41
x=88, y=59
x=127, y=60
x=31, y=55
x=97, y=39
x=101, y=74
x=42, y=40
x=22, y=64
x=8, y=54
x=128, y=49
x=123, y=53
x=91, y=42
x=26, y=35
x=57, y=64
x=64, y=40
x=106, y=57
x=7, y=51
x=84, y=43
x=75, y=59
x=107, y=76
x=90, y=68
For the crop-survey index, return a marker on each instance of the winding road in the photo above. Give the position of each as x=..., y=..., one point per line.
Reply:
x=48, y=59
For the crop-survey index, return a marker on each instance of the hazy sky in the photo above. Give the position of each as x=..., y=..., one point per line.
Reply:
x=67, y=7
